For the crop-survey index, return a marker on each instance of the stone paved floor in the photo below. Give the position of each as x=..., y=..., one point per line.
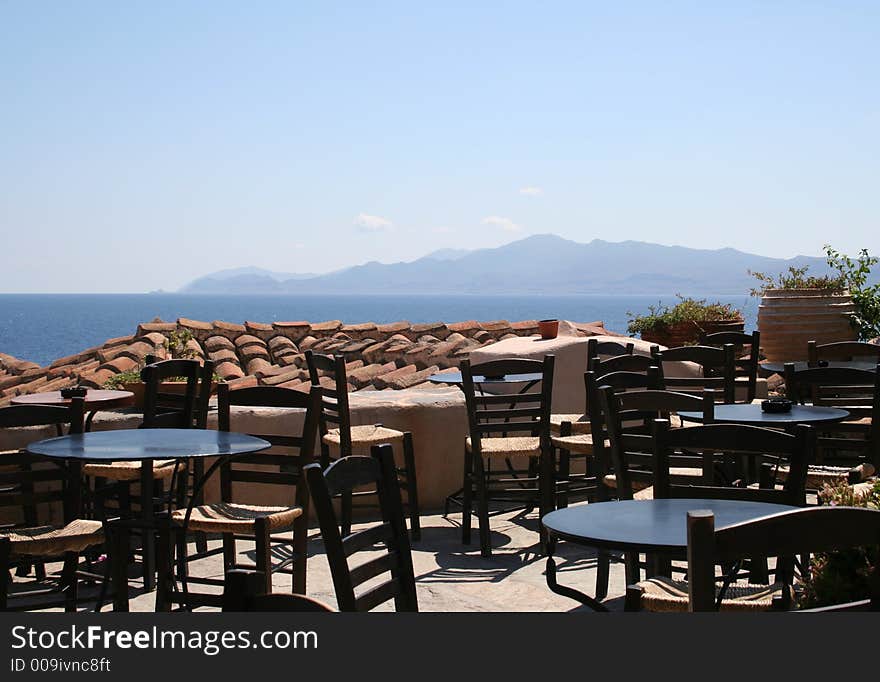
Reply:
x=454, y=577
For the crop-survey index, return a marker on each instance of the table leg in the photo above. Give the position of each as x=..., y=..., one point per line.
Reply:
x=148, y=541
x=73, y=498
x=565, y=591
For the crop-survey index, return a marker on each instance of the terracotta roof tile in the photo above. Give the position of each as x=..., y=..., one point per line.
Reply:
x=194, y=325
x=413, y=379
x=288, y=360
x=161, y=327
x=496, y=326
x=224, y=355
x=9, y=381
x=307, y=342
x=256, y=364
x=438, y=329
x=358, y=330
x=154, y=338
x=120, y=364
x=229, y=371
x=393, y=327
x=284, y=377
x=363, y=376
x=261, y=329
x=138, y=350
x=248, y=340
x=243, y=382
x=195, y=349
x=386, y=380
x=483, y=336
x=326, y=328
x=96, y=379
x=217, y=342
x=229, y=327
x=525, y=327
x=467, y=328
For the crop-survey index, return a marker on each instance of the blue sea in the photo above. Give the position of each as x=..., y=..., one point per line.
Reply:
x=44, y=327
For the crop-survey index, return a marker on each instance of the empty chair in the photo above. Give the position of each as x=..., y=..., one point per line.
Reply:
x=709, y=447
x=818, y=529
x=717, y=366
x=747, y=350
x=503, y=428
x=243, y=591
x=277, y=470
x=580, y=423
x=848, y=450
x=339, y=438
x=842, y=351
x=388, y=536
x=36, y=490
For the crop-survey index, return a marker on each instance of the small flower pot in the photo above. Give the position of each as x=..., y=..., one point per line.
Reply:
x=548, y=329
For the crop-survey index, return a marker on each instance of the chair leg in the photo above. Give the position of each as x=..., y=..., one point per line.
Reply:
x=118, y=543
x=632, y=568
x=633, y=599
x=345, y=512
x=412, y=489
x=264, y=557
x=229, y=553
x=483, y=507
x=163, y=570
x=603, y=572
x=5, y=578
x=300, y=553
x=564, y=476
x=69, y=582
x=467, y=498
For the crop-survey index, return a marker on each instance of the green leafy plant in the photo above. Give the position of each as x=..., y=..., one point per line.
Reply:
x=843, y=576
x=176, y=344
x=849, y=274
x=661, y=317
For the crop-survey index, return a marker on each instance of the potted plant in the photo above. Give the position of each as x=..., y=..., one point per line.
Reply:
x=843, y=576
x=175, y=347
x=797, y=307
x=683, y=323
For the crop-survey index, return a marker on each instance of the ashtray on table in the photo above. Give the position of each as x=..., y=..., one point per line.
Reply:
x=776, y=405
x=74, y=392
x=494, y=377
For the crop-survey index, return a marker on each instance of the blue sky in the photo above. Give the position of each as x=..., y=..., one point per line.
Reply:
x=306, y=136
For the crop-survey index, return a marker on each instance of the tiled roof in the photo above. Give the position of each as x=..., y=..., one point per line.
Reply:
x=390, y=356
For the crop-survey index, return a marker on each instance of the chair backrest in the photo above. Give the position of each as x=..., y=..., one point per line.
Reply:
x=855, y=390
x=28, y=481
x=163, y=409
x=841, y=351
x=622, y=363
x=747, y=350
x=281, y=464
x=334, y=402
x=244, y=591
x=629, y=419
x=525, y=413
x=345, y=475
x=816, y=529
x=595, y=348
x=744, y=455
x=717, y=364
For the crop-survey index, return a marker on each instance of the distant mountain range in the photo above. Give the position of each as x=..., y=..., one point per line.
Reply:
x=540, y=264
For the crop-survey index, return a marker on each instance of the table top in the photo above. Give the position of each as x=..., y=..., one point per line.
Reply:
x=647, y=525
x=455, y=378
x=752, y=414
x=779, y=367
x=126, y=445
x=94, y=398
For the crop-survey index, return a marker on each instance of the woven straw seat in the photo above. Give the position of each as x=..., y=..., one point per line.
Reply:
x=819, y=474
x=76, y=536
x=580, y=423
x=363, y=438
x=231, y=517
x=610, y=480
x=581, y=444
x=665, y=595
x=520, y=445
x=131, y=471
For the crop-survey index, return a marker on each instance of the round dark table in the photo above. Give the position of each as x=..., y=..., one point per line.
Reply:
x=95, y=400
x=779, y=367
x=753, y=415
x=144, y=445
x=455, y=379
x=653, y=526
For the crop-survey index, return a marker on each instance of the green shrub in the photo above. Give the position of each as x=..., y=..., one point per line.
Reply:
x=661, y=317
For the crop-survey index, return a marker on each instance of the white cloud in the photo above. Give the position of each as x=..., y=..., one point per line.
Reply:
x=531, y=191
x=505, y=224
x=372, y=223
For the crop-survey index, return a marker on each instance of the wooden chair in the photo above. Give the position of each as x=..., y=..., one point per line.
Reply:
x=717, y=364
x=580, y=423
x=346, y=474
x=32, y=484
x=747, y=350
x=280, y=467
x=841, y=351
x=847, y=451
x=502, y=428
x=243, y=591
x=339, y=438
x=818, y=529
x=708, y=447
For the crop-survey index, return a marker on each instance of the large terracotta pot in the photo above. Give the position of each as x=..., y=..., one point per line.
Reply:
x=688, y=333
x=788, y=318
